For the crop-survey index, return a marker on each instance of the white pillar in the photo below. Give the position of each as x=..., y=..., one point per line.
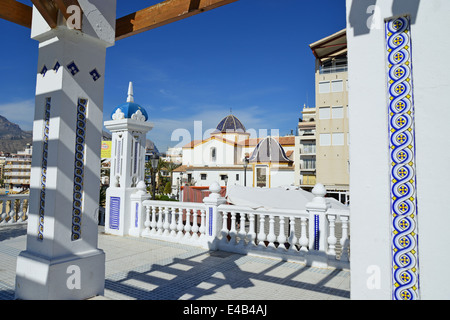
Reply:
x=61, y=260
x=398, y=84
x=128, y=126
x=137, y=210
x=213, y=218
x=318, y=227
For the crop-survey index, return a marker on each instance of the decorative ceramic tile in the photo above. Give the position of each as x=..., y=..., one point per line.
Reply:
x=79, y=169
x=73, y=68
x=405, y=262
x=43, y=70
x=56, y=66
x=44, y=168
x=95, y=75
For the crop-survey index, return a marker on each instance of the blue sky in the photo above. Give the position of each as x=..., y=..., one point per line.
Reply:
x=251, y=56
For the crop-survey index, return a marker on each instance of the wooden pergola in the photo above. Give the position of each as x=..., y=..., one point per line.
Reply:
x=160, y=14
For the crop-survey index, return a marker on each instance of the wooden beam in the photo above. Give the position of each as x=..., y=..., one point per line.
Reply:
x=16, y=12
x=48, y=10
x=163, y=13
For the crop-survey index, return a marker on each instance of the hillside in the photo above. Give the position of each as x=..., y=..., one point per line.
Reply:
x=12, y=137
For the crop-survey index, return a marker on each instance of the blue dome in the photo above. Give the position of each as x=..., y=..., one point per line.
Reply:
x=230, y=124
x=129, y=108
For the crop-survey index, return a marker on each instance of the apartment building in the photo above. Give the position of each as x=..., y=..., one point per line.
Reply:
x=305, y=149
x=332, y=130
x=17, y=170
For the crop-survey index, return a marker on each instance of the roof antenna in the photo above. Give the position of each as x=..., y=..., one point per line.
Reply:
x=130, y=92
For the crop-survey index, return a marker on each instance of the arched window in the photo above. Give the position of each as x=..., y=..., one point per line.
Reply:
x=213, y=154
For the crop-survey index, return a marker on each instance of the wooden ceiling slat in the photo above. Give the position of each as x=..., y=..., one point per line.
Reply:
x=16, y=12
x=163, y=13
x=48, y=11
x=160, y=14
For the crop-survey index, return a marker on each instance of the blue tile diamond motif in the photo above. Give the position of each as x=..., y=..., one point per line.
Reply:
x=56, y=66
x=73, y=68
x=95, y=75
x=43, y=70
x=404, y=232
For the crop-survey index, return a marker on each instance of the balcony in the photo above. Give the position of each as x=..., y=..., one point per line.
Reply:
x=333, y=69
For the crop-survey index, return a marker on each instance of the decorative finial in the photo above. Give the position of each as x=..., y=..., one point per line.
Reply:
x=130, y=92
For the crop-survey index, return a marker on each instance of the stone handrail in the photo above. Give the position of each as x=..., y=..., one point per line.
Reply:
x=14, y=208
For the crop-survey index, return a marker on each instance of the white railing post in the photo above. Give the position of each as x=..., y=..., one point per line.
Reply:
x=138, y=214
x=318, y=225
x=213, y=218
x=332, y=240
x=344, y=239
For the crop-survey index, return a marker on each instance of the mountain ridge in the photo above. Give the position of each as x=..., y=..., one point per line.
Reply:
x=12, y=137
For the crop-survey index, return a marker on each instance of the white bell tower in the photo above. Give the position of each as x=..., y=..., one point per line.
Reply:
x=128, y=126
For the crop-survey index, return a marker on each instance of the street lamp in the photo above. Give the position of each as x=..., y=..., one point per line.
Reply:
x=245, y=170
x=154, y=159
x=178, y=188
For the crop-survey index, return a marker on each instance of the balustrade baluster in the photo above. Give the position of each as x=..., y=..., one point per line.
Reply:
x=251, y=230
x=2, y=213
x=153, y=222
x=159, y=224
x=242, y=234
x=261, y=234
x=344, y=239
x=20, y=214
x=147, y=222
x=187, y=226
x=12, y=211
x=195, y=227
x=224, y=230
x=180, y=226
x=173, y=224
x=292, y=236
x=166, y=224
x=271, y=237
x=232, y=232
x=202, y=229
x=281, y=239
x=332, y=238
x=304, y=242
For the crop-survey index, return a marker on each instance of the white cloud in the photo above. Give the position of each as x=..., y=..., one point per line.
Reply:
x=20, y=112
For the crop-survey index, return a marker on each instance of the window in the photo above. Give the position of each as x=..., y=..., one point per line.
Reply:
x=309, y=164
x=309, y=148
x=223, y=177
x=324, y=113
x=337, y=112
x=237, y=176
x=203, y=176
x=325, y=139
x=213, y=154
x=324, y=87
x=338, y=139
x=337, y=86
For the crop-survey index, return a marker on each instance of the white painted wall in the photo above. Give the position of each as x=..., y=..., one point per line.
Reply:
x=369, y=154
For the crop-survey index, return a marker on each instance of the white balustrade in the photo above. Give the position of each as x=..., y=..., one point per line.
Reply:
x=316, y=233
x=14, y=209
x=174, y=221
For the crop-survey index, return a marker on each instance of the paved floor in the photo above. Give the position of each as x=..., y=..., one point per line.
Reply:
x=144, y=269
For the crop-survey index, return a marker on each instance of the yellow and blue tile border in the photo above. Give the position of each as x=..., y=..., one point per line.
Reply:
x=404, y=236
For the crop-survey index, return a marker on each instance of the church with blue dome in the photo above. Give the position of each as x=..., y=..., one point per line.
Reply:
x=268, y=161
